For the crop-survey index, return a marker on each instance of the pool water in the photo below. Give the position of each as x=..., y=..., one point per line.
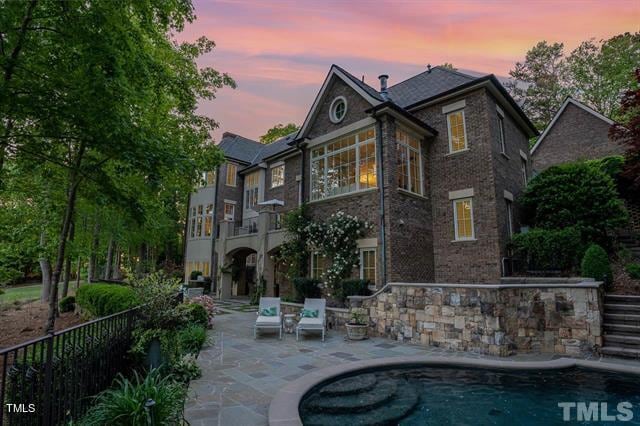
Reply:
x=431, y=395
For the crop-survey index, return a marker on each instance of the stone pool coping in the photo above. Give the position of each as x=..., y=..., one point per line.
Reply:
x=283, y=410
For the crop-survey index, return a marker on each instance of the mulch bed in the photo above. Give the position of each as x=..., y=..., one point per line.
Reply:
x=20, y=323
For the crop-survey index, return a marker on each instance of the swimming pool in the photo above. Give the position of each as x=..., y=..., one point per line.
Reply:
x=443, y=395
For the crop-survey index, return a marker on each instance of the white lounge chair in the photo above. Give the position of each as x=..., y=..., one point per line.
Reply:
x=268, y=322
x=315, y=324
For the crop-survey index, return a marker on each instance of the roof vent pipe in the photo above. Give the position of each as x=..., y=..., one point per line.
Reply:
x=383, y=84
x=429, y=68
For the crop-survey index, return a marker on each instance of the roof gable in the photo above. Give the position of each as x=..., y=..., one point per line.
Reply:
x=558, y=114
x=364, y=90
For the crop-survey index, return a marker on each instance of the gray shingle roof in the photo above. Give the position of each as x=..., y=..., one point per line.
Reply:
x=249, y=151
x=426, y=85
x=364, y=86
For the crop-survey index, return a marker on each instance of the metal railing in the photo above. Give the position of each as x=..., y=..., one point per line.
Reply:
x=49, y=380
x=248, y=226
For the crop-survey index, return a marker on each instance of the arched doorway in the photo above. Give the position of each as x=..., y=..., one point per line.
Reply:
x=242, y=267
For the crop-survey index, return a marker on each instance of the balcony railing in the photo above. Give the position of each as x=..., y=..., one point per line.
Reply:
x=246, y=227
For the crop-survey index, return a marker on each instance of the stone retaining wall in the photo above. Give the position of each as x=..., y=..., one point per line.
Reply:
x=336, y=317
x=495, y=319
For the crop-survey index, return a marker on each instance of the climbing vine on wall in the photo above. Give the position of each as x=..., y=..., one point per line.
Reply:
x=336, y=239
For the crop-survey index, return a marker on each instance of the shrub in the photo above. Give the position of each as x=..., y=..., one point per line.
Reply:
x=633, y=269
x=105, y=299
x=549, y=249
x=207, y=303
x=194, y=314
x=307, y=288
x=67, y=304
x=186, y=369
x=574, y=195
x=125, y=404
x=192, y=338
x=158, y=298
x=595, y=264
x=354, y=287
x=194, y=275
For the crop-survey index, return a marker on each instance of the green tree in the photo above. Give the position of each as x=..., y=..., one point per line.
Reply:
x=576, y=195
x=278, y=131
x=600, y=72
x=449, y=66
x=539, y=82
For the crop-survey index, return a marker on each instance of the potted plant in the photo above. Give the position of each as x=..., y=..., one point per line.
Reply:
x=357, y=327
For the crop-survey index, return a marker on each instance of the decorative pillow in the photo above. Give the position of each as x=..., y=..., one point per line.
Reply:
x=269, y=312
x=309, y=313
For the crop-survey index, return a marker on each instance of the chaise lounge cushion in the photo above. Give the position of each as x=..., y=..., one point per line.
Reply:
x=311, y=323
x=268, y=321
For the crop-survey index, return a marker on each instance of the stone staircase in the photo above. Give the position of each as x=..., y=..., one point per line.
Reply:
x=621, y=326
x=632, y=243
x=361, y=400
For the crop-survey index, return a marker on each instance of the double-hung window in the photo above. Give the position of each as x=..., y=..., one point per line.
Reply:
x=409, y=162
x=501, y=138
x=318, y=266
x=344, y=165
x=232, y=170
x=251, y=186
x=208, y=220
x=229, y=211
x=277, y=176
x=463, y=219
x=509, y=218
x=523, y=169
x=457, y=131
x=368, y=264
x=199, y=221
x=193, y=222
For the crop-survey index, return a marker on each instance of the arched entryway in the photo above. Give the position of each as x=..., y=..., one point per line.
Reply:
x=242, y=268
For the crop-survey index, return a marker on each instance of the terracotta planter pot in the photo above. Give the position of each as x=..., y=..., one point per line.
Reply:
x=356, y=331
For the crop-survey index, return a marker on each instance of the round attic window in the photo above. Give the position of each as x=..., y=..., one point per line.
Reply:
x=338, y=109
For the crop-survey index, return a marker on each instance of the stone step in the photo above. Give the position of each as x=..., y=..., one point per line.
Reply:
x=350, y=385
x=622, y=329
x=389, y=413
x=356, y=402
x=621, y=299
x=618, y=308
x=620, y=352
x=621, y=340
x=630, y=319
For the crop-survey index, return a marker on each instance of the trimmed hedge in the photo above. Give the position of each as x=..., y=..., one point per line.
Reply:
x=67, y=304
x=595, y=264
x=353, y=287
x=195, y=314
x=307, y=288
x=549, y=249
x=105, y=299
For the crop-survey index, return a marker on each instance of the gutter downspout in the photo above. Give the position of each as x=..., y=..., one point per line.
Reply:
x=214, y=233
x=380, y=171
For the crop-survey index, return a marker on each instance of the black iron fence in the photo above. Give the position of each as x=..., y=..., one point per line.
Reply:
x=50, y=380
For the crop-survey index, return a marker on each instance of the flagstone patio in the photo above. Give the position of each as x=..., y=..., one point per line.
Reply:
x=241, y=375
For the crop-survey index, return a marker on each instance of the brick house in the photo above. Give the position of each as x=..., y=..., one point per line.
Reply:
x=434, y=162
x=576, y=132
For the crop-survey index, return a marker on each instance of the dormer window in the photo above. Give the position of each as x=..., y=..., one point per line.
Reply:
x=338, y=109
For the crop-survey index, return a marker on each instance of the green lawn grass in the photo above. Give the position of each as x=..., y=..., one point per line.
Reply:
x=25, y=293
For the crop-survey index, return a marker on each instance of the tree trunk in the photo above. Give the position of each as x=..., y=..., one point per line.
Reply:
x=93, y=262
x=78, y=273
x=67, y=264
x=141, y=257
x=8, y=73
x=45, y=267
x=74, y=182
x=115, y=271
x=109, y=262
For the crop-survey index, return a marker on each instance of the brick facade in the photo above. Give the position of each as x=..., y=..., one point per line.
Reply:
x=576, y=135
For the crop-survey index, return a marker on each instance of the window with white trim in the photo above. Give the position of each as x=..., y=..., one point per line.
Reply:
x=208, y=220
x=463, y=219
x=523, y=169
x=277, y=176
x=192, y=232
x=501, y=137
x=199, y=221
x=338, y=109
x=457, y=131
x=209, y=178
x=409, y=162
x=318, y=266
x=251, y=187
x=509, y=218
x=232, y=171
x=229, y=211
x=344, y=165
x=368, y=264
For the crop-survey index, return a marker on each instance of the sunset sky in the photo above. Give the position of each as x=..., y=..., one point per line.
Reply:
x=280, y=51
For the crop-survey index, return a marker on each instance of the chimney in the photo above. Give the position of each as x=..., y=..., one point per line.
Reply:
x=383, y=84
x=428, y=68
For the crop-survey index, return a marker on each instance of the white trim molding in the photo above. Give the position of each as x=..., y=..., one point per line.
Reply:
x=500, y=111
x=358, y=125
x=230, y=201
x=276, y=164
x=555, y=118
x=453, y=107
x=523, y=155
x=367, y=243
x=508, y=195
x=462, y=193
x=332, y=109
